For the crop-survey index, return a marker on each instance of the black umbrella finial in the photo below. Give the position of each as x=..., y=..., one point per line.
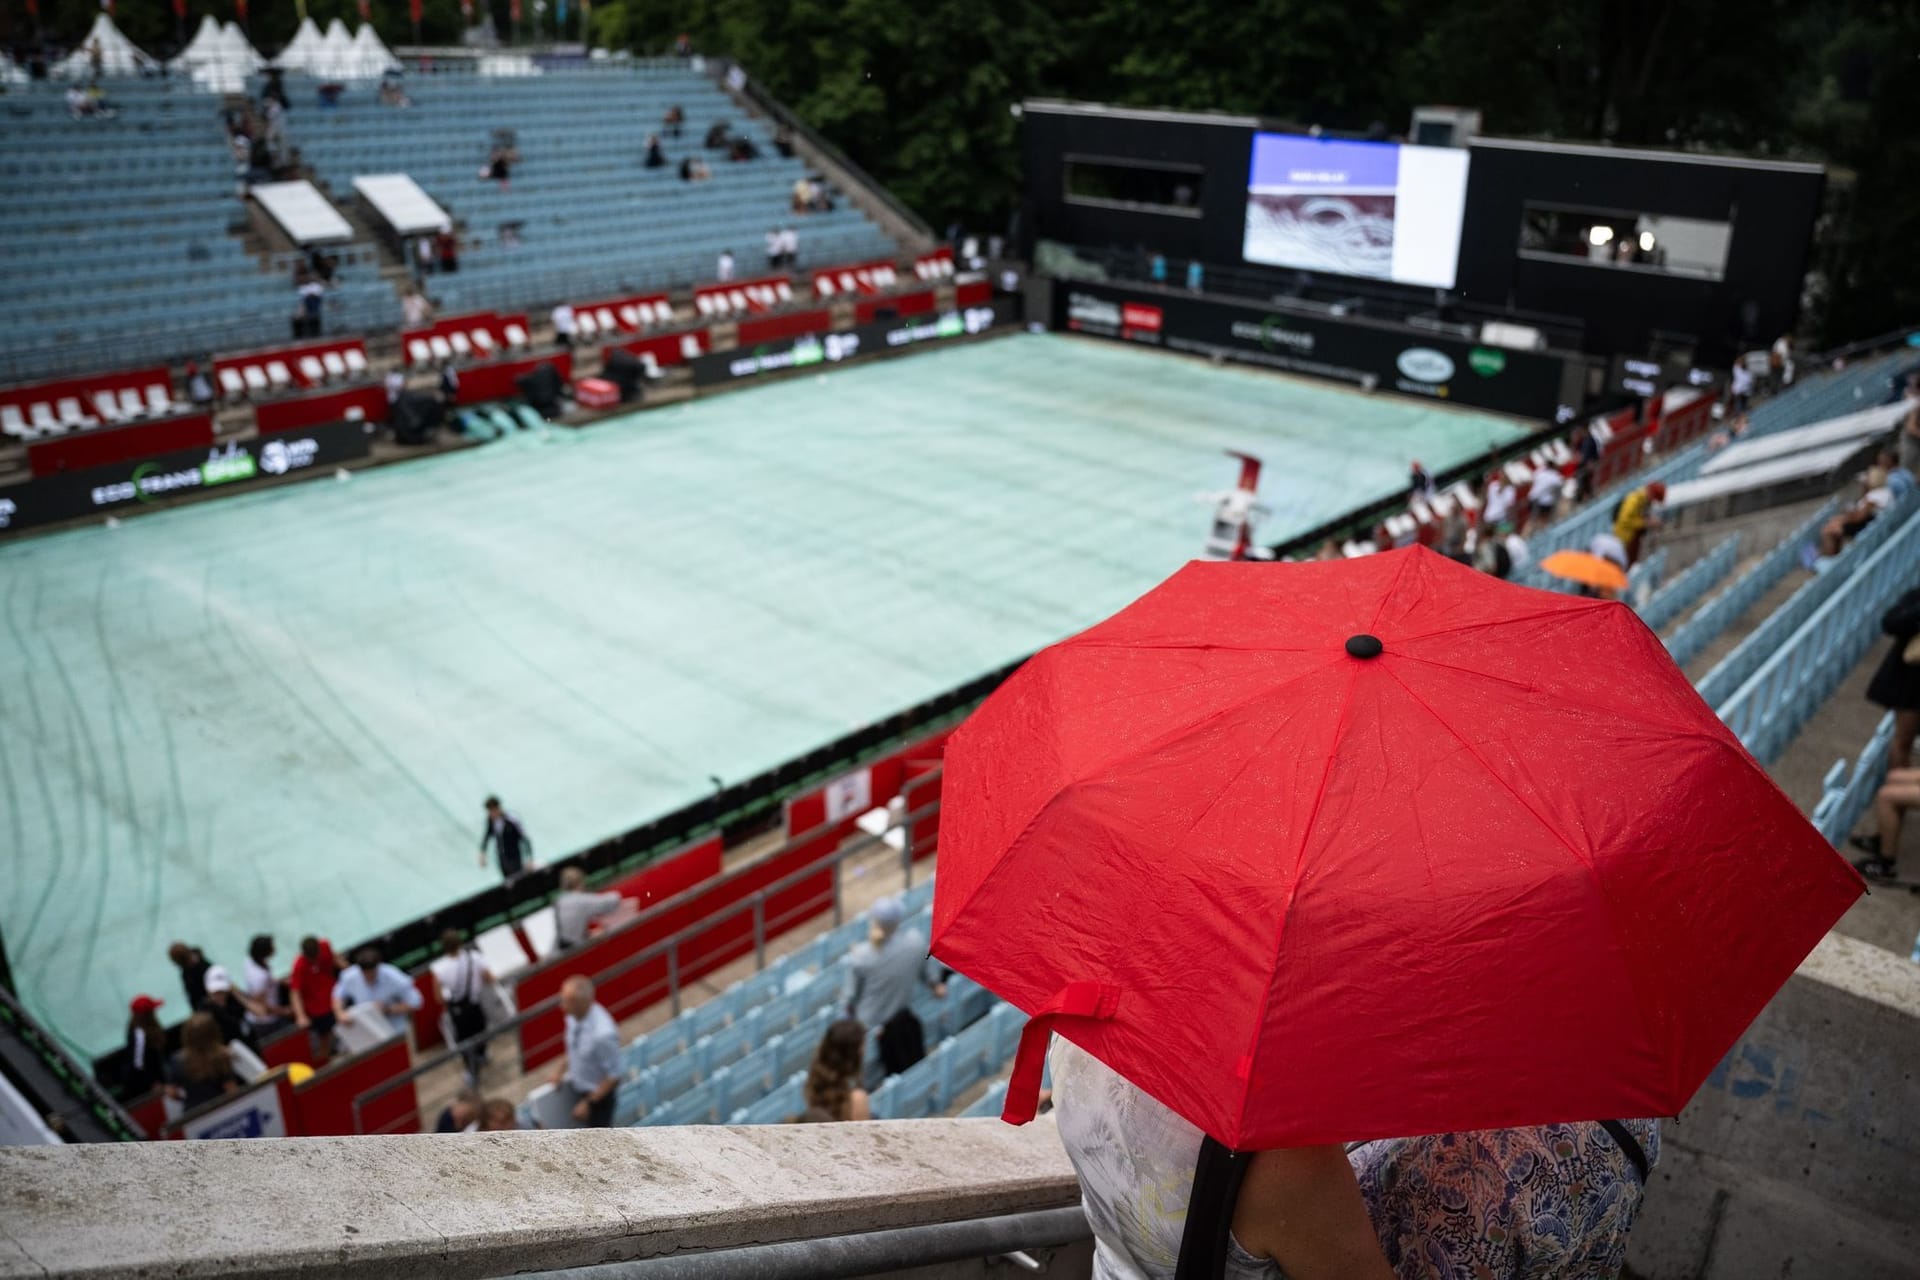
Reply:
x=1364, y=646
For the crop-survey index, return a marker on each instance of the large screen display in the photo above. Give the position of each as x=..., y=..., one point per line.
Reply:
x=1373, y=209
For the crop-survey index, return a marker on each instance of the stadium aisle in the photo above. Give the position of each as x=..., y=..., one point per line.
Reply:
x=593, y=625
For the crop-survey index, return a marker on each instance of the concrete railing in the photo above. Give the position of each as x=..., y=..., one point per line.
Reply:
x=475, y=1205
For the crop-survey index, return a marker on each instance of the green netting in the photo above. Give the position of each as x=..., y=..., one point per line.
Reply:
x=280, y=712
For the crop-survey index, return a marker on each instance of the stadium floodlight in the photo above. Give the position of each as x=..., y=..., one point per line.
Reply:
x=1599, y=234
x=1646, y=242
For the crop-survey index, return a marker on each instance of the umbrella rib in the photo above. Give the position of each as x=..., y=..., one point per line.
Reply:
x=1293, y=886
x=1593, y=872
x=1573, y=603
x=1199, y=646
x=1677, y=731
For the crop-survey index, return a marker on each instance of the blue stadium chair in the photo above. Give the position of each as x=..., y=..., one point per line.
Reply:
x=786, y=1102
x=989, y=1103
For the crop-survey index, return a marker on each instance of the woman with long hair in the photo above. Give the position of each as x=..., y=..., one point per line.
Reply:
x=833, y=1081
x=202, y=1069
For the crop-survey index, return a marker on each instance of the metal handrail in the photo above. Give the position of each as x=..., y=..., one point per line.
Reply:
x=670, y=946
x=78, y=1082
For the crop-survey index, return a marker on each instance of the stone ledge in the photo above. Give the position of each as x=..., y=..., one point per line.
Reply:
x=478, y=1205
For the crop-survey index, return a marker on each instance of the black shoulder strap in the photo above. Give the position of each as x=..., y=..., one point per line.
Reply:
x=1629, y=1144
x=1217, y=1176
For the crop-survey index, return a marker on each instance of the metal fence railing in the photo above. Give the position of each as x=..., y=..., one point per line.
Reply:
x=1673, y=599
x=1717, y=614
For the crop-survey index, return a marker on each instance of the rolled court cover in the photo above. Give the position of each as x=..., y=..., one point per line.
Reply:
x=1336, y=851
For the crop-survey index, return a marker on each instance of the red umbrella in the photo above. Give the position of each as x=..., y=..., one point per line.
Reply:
x=1334, y=851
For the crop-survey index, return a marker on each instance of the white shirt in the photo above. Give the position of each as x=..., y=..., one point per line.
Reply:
x=1545, y=488
x=461, y=977
x=563, y=319
x=789, y=240
x=1608, y=547
x=1500, y=497
x=414, y=308
x=773, y=243
x=724, y=268
x=1742, y=379
x=259, y=980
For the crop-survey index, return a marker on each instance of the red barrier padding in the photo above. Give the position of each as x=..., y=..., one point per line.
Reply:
x=296, y=412
x=973, y=293
x=286, y=1047
x=83, y=388
x=149, y=1112
x=541, y=1037
x=673, y=875
x=906, y=304
x=323, y=1105
x=102, y=446
x=482, y=382
x=774, y=328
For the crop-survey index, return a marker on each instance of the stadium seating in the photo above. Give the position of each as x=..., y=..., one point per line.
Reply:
x=588, y=219
x=1846, y=795
x=1693, y=636
x=136, y=212
x=1698, y=578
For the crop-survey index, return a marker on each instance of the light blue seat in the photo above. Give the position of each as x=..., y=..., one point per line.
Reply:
x=786, y=1102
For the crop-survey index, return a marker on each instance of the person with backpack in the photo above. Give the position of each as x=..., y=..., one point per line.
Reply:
x=883, y=975
x=1634, y=516
x=463, y=979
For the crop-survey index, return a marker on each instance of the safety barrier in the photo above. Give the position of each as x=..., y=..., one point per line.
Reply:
x=1717, y=614
x=1845, y=796
x=1783, y=625
x=1672, y=600
x=1790, y=686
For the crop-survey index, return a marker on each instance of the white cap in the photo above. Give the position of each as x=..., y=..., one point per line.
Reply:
x=218, y=979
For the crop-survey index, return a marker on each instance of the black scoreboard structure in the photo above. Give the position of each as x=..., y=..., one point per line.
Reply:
x=1596, y=253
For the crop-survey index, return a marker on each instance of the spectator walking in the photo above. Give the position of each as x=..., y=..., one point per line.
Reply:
x=1900, y=792
x=1740, y=387
x=1299, y=1209
x=656, y=154
x=1552, y=1200
x=499, y=169
x=202, y=1069
x=227, y=1013
x=1896, y=685
x=423, y=256
x=396, y=385
x=146, y=1048
x=884, y=973
x=1586, y=450
x=717, y=137
x=1636, y=515
x=1543, y=493
x=591, y=1072
x=462, y=1115
x=1497, y=507
x=723, y=268
x=266, y=1010
x=310, y=990
x=1419, y=483
x=415, y=310
x=372, y=984
x=313, y=301
x=576, y=909
x=509, y=839
x=564, y=325
x=463, y=979
x=834, y=1080
x=193, y=966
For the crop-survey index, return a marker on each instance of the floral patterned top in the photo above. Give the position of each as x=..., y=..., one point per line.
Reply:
x=1505, y=1204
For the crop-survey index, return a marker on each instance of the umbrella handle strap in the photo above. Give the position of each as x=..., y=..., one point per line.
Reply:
x=1085, y=999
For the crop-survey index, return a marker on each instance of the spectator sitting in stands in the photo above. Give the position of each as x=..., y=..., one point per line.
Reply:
x=462, y=1115
x=313, y=301
x=1896, y=685
x=1196, y=276
x=373, y=985
x=674, y=121
x=227, y=1013
x=423, y=256
x=802, y=195
x=499, y=169
x=683, y=45
x=656, y=156
x=564, y=325
x=202, y=1069
x=1899, y=793
x=1876, y=495
x=834, y=1080
x=146, y=1048
x=1500, y=552
x=694, y=169
x=783, y=141
x=415, y=309
x=789, y=246
x=742, y=148
x=723, y=267
x=396, y=385
x=1909, y=437
x=79, y=105
x=1497, y=502
x=496, y=1116
x=718, y=136
x=392, y=92
x=575, y=910
x=199, y=385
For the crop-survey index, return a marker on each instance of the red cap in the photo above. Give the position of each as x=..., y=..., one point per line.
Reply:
x=145, y=1004
x=1657, y=491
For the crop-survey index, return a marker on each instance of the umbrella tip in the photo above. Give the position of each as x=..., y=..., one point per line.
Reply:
x=1364, y=646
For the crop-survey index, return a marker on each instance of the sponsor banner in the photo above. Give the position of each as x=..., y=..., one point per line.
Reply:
x=863, y=340
x=137, y=485
x=254, y=1113
x=1388, y=357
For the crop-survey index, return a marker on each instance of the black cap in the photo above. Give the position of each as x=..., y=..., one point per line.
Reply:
x=1364, y=646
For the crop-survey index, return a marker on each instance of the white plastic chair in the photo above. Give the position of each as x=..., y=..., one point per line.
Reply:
x=441, y=348
x=70, y=412
x=231, y=384
x=604, y=316
x=353, y=360
x=130, y=403
x=482, y=342
x=630, y=318
x=663, y=311
x=42, y=415
x=690, y=346
x=823, y=285
x=278, y=375
x=312, y=372
x=462, y=347
x=11, y=421
x=417, y=351
x=256, y=380
x=106, y=406
x=515, y=335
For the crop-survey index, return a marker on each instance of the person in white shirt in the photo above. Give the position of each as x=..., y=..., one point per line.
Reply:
x=563, y=324
x=1499, y=504
x=1780, y=361
x=592, y=1068
x=260, y=995
x=723, y=269
x=789, y=246
x=1740, y=389
x=1543, y=493
x=415, y=310
x=774, y=244
x=575, y=910
x=464, y=980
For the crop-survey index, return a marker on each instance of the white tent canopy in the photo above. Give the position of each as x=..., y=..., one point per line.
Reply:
x=10, y=73
x=300, y=51
x=118, y=55
x=335, y=59
x=203, y=48
x=238, y=50
x=371, y=58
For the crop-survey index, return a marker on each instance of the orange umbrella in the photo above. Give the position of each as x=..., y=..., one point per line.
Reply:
x=1587, y=570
